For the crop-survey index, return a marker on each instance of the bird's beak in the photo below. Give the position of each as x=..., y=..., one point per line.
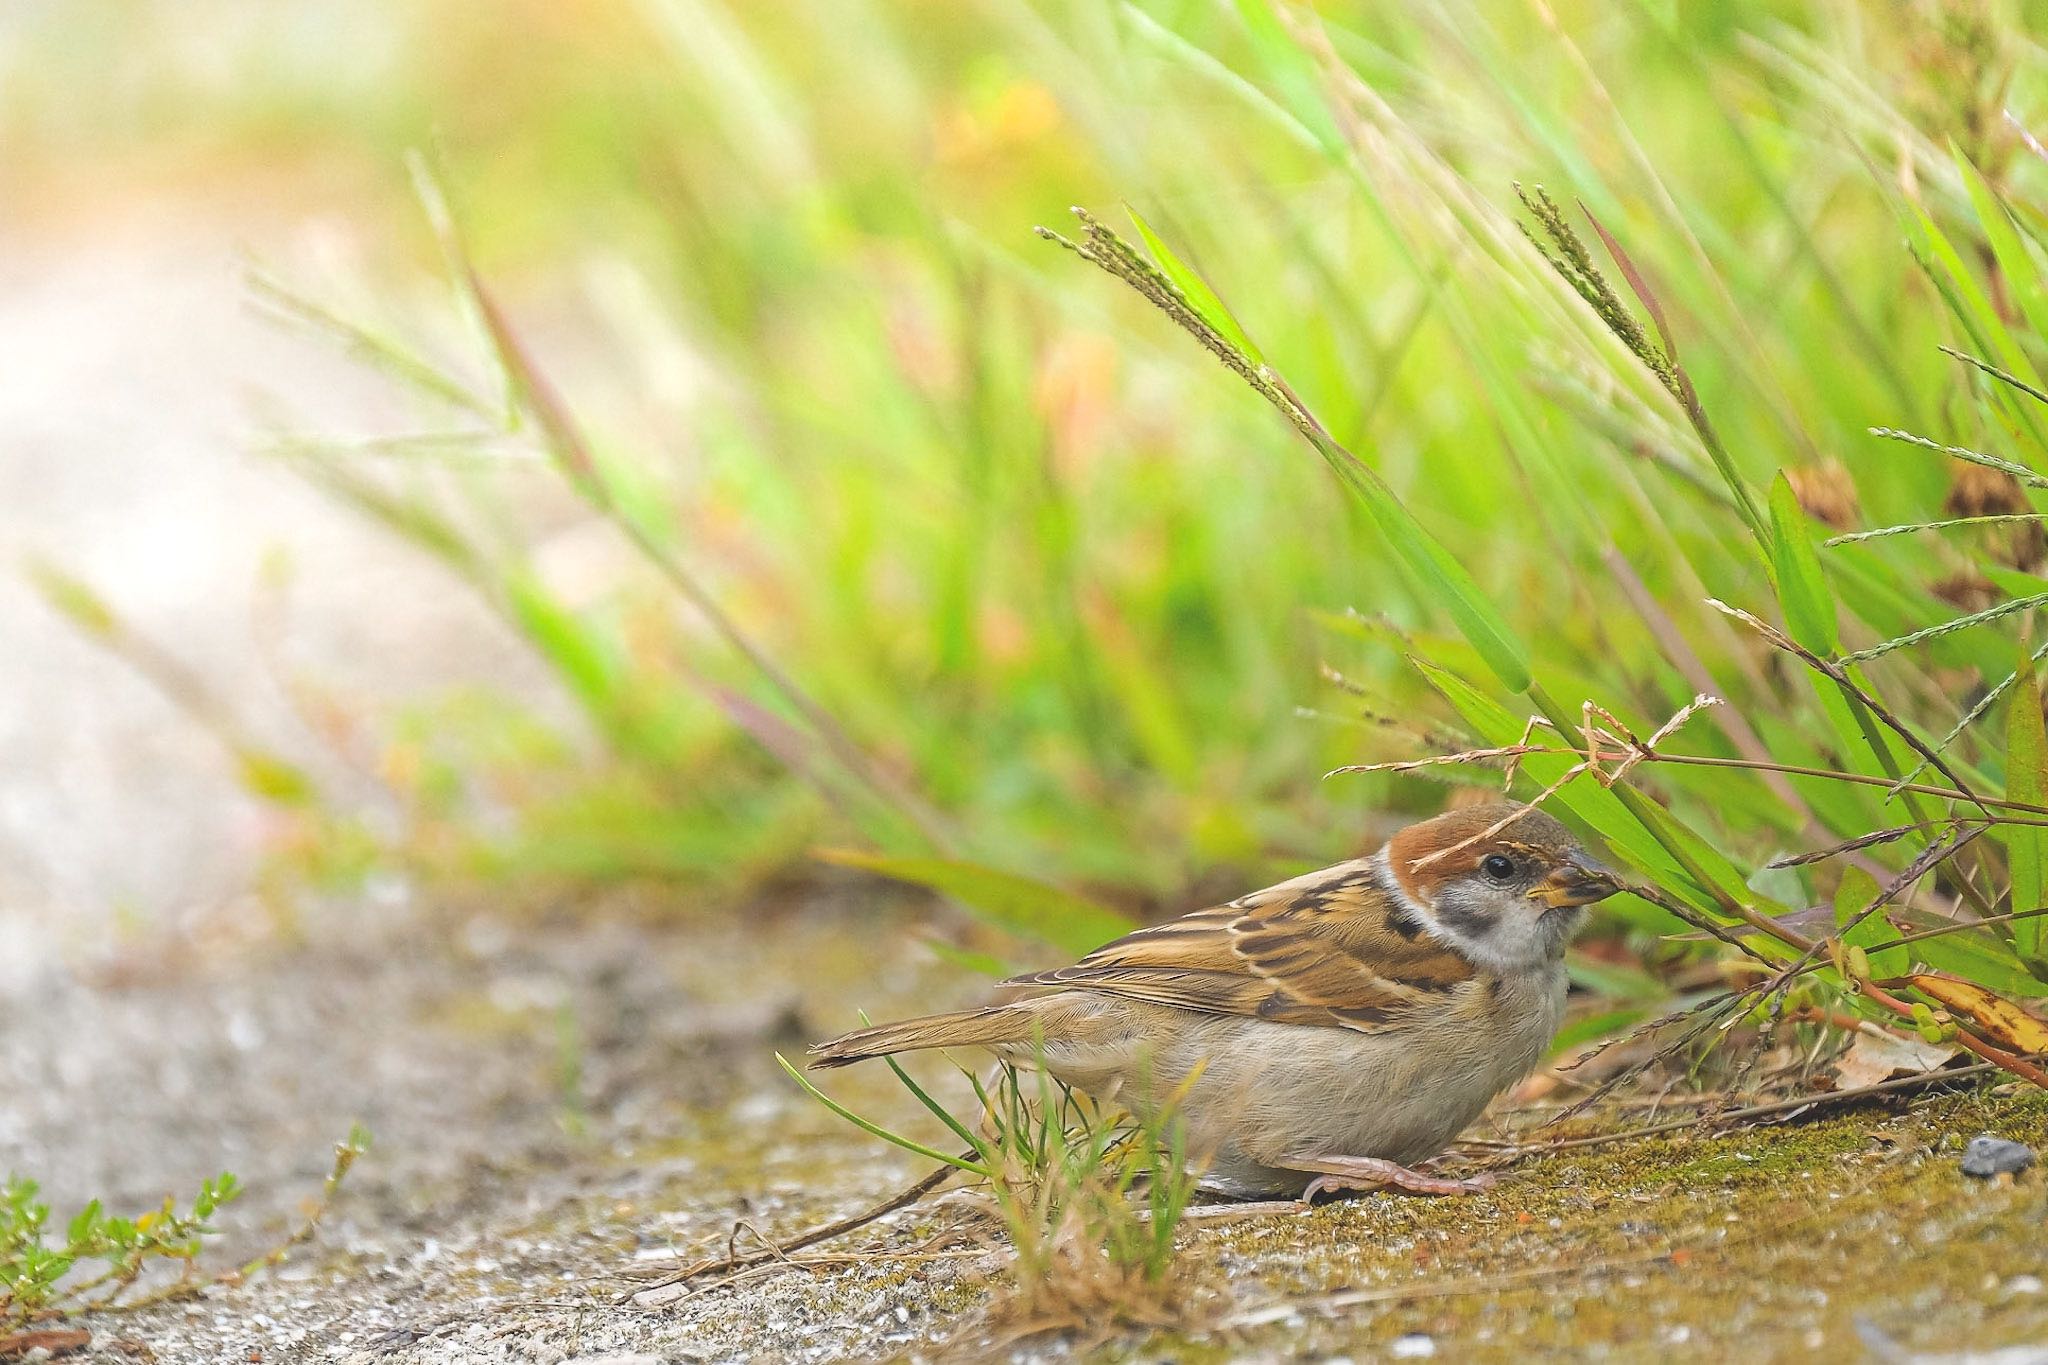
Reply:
x=1581, y=881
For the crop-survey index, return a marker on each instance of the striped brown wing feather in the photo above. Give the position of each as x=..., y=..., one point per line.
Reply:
x=1329, y=949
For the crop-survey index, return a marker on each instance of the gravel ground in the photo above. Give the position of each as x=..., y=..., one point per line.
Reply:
x=502, y=1199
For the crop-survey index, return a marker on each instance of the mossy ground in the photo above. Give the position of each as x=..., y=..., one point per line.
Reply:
x=1763, y=1244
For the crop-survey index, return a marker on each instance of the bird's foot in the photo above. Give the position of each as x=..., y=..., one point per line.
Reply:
x=1335, y=1173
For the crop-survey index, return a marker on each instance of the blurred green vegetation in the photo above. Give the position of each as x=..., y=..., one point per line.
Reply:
x=934, y=540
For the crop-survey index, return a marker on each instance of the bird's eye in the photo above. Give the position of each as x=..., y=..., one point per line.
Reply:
x=1498, y=866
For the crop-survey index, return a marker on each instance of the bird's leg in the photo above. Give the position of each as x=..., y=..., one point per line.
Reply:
x=1372, y=1173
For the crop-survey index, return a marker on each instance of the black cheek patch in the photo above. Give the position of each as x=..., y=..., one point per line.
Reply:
x=1463, y=919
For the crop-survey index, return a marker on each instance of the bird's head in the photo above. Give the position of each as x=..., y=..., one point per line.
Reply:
x=1503, y=883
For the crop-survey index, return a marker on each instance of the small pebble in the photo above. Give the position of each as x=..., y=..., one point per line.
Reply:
x=1987, y=1156
x=1414, y=1346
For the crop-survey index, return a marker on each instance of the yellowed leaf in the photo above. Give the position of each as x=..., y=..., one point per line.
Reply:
x=1992, y=1015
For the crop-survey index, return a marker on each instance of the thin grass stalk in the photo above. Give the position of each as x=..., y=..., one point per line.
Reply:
x=530, y=390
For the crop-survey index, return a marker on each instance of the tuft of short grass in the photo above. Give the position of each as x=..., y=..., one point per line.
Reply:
x=101, y=1262
x=1089, y=1199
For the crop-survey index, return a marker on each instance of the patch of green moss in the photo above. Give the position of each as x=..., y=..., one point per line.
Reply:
x=1761, y=1244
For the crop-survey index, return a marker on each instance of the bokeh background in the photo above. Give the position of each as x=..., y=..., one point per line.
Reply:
x=1001, y=568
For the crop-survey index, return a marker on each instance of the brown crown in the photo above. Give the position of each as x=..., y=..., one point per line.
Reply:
x=1425, y=855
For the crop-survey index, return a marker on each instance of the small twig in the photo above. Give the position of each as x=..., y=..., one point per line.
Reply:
x=1510, y=1155
x=1964, y=453
x=1880, y=532
x=1856, y=779
x=1861, y=841
x=925, y=1252
x=1675, y=647
x=1725, y=933
x=1931, y=857
x=732, y=1260
x=1856, y=693
x=2014, y=1062
x=1432, y=1289
x=1955, y=927
x=1713, y=1013
x=1228, y=1213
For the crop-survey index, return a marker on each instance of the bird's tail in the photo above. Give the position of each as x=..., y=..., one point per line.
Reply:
x=989, y=1027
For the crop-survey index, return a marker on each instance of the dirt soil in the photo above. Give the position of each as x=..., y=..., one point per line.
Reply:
x=558, y=1109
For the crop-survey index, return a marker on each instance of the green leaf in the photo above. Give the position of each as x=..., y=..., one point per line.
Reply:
x=274, y=779
x=1613, y=980
x=1007, y=900
x=1803, y=592
x=2026, y=779
x=937, y=1110
x=581, y=658
x=1439, y=573
x=1979, y=957
x=1291, y=73
x=1974, y=310
x=1594, y=1027
x=83, y=1226
x=2017, y=264
x=75, y=600
x=981, y=964
x=1195, y=289
x=2014, y=582
x=1858, y=889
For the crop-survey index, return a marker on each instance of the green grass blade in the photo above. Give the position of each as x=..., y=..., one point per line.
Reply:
x=2026, y=779
x=1435, y=569
x=1803, y=593
x=1195, y=289
x=1439, y=573
x=2021, y=271
x=937, y=1110
x=1935, y=632
x=1587, y=802
x=1008, y=900
x=1856, y=890
x=1976, y=314
x=874, y=1129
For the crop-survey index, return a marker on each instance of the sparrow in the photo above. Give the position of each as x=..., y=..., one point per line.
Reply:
x=1328, y=1033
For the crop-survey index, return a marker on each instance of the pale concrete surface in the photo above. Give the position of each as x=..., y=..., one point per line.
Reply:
x=128, y=360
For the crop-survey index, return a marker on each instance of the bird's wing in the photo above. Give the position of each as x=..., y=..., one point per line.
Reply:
x=1330, y=949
